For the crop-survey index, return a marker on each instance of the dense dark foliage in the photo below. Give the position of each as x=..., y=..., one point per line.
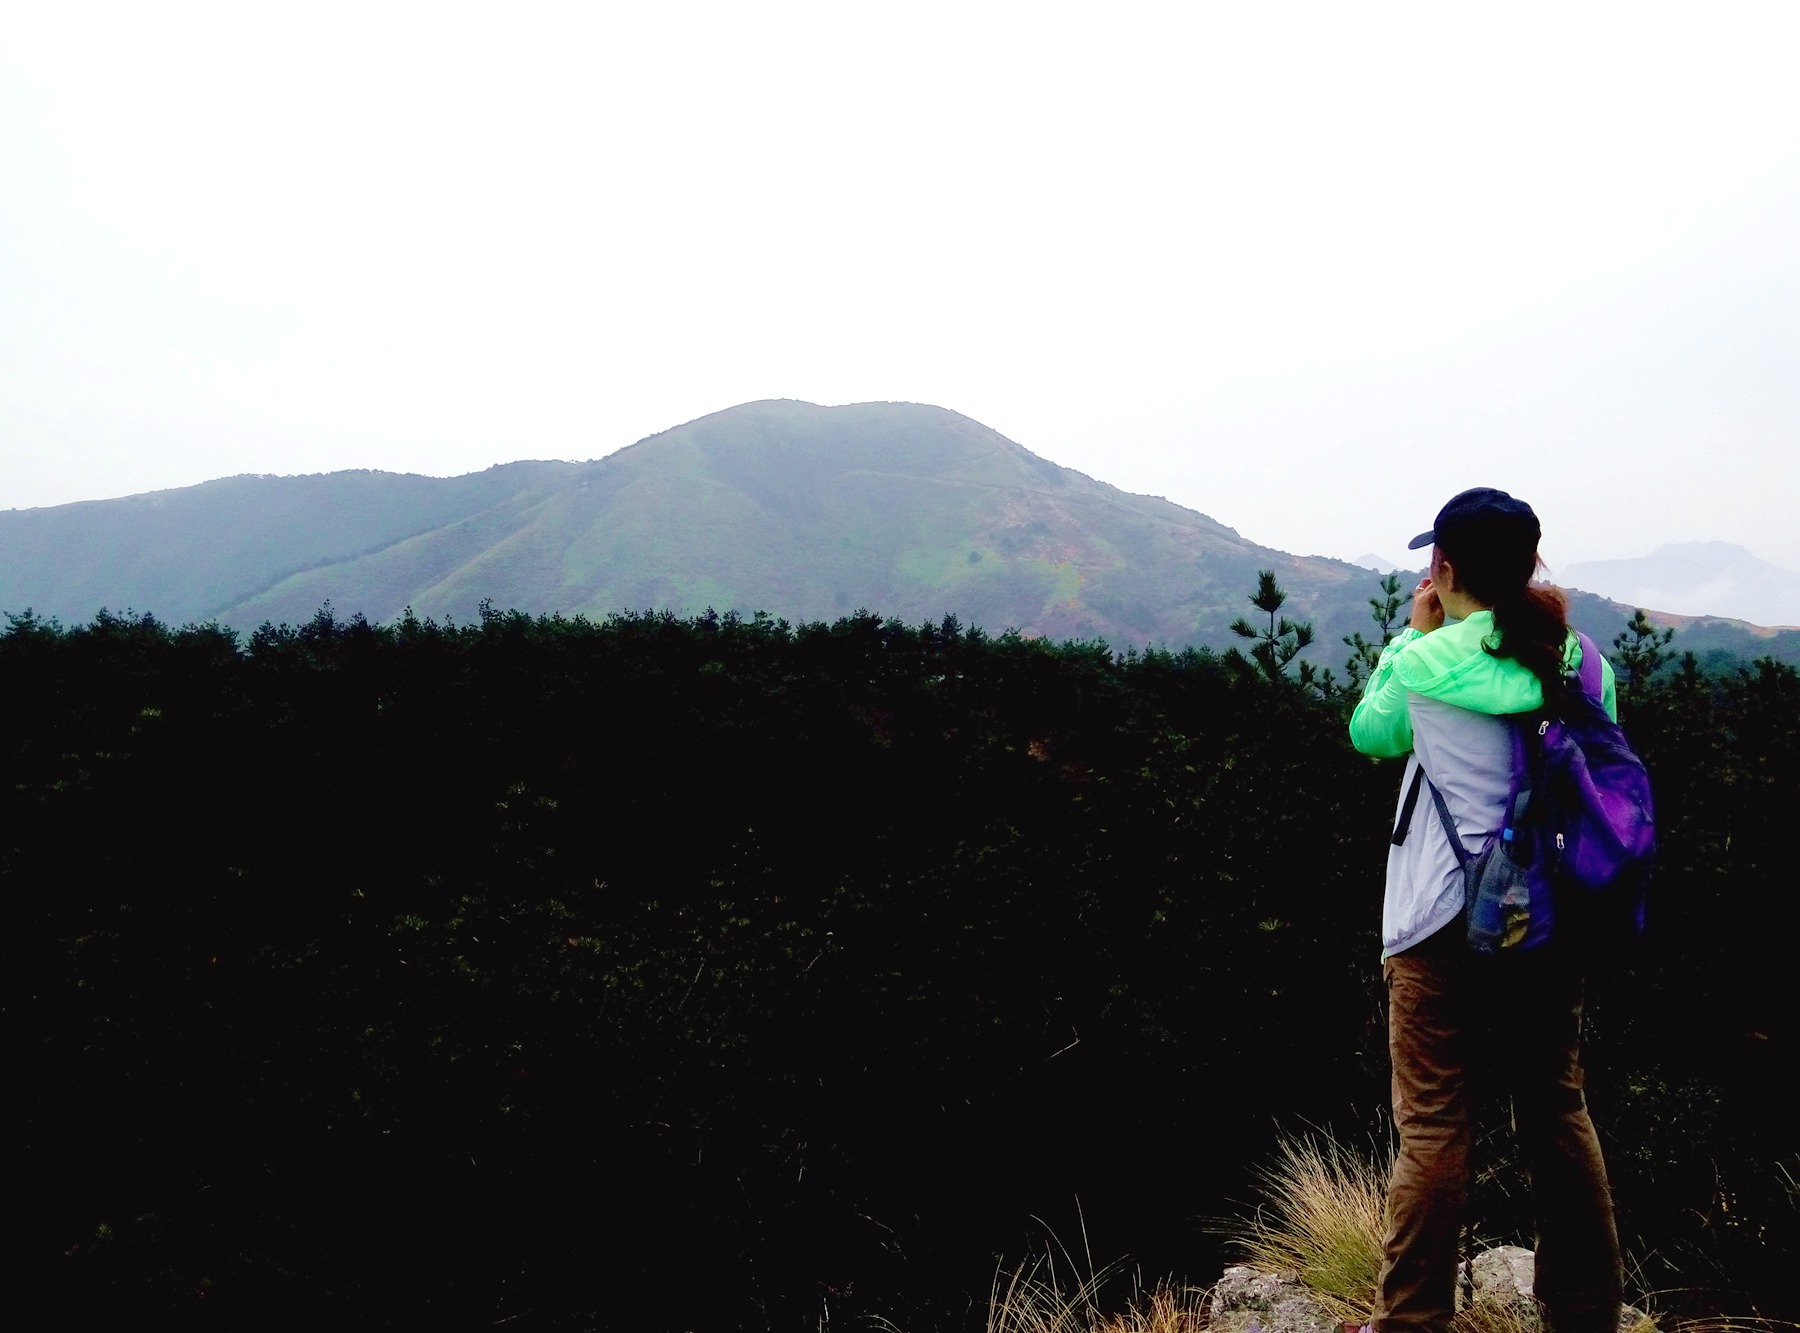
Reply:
x=720, y=973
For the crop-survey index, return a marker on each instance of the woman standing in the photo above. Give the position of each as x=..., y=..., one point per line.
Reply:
x=1483, y=641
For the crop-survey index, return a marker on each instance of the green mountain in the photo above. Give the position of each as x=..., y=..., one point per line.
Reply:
x=806, y=512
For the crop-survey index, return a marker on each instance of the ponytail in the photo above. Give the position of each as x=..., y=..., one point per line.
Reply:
x=1532, y=626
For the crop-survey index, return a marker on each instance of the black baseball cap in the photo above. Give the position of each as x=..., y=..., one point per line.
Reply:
x=1482, y=516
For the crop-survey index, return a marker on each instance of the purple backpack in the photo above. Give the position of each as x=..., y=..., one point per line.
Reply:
x=1571, y=859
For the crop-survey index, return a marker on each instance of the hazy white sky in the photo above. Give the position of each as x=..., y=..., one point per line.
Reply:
x=1308, y=269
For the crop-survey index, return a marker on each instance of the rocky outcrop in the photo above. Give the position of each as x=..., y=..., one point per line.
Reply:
x=1503, y=1277
x=1247, y=1301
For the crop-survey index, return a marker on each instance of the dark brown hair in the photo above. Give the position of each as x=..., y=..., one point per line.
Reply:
x=1531, y=620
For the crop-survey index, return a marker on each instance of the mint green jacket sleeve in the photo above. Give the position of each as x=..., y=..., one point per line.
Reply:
x=1382, y=724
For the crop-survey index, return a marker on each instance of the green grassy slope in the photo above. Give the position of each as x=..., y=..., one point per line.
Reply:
x=201, y=551
x=810, y=512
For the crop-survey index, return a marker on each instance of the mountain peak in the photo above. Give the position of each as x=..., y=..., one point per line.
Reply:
x=1697, y=579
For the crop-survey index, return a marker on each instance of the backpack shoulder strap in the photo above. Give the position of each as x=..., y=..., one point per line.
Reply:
x=1437, y=798
x=1516, y=725
x=1403, y=824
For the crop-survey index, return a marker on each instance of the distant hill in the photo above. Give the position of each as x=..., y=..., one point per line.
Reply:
x=806, y=512
x=1697, y=578
x=1382, y=564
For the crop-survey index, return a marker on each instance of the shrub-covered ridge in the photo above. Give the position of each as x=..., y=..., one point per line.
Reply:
x=528, y=969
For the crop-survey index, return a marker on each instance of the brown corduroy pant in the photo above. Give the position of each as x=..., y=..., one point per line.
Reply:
x=1513, y=1024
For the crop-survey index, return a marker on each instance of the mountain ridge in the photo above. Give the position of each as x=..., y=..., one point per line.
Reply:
x=1720, y=577
x=807, y=512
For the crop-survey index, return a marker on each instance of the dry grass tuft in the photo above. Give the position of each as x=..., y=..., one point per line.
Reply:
x=1165, y=1310
x=1495, y=1317
x=1048, y=1294
x=1033, y=1301
x=1323, y=1220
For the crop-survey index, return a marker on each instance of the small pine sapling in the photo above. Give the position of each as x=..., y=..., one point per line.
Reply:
x=1274, y=648
x=1365, y=653
x=1642, y=652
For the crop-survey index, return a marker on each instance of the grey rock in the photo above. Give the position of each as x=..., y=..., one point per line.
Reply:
x=1246, y=1301
x=1504, y=1276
